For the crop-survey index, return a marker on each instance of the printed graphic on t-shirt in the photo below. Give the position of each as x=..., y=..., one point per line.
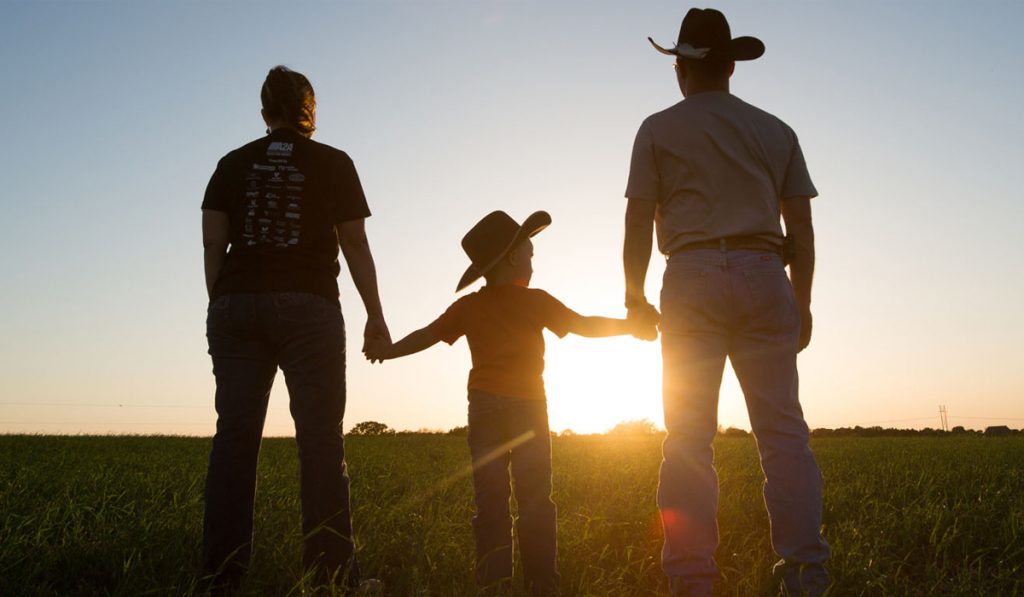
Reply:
x=273, y=194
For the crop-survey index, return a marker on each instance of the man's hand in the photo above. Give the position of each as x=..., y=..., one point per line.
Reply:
x=806, y=323
x=644, y=318
x=636, y=250
x=796, y=211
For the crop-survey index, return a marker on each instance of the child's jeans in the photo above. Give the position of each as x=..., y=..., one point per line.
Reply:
x=507, y=431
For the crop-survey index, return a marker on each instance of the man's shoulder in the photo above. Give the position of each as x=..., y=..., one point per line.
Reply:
x=760, y=114
x=670, y=113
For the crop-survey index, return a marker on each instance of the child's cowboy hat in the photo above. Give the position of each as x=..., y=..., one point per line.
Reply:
x=493, y=237
x=705, y=34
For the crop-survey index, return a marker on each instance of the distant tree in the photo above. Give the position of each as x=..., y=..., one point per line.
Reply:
x=635, y=427
x=371, y=428
x=463, y=430
x=959, y=429
x=997, y=430
x=567, y=433
x=732, y=432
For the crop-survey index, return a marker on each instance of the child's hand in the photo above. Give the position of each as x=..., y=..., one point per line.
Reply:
x=377, y=350
x=644, y=322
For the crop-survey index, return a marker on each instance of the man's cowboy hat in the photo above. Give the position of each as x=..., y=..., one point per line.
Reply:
x=493, y=237
x=705, y=34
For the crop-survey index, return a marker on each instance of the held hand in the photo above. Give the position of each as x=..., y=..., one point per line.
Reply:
x=644, y=319
x=377, y=350
x=806, y=323
x=376, y=330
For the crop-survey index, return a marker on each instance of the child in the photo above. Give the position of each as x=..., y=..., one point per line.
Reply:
x=508, y=423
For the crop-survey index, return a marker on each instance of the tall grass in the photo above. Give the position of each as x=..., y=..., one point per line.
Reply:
x=123, y=515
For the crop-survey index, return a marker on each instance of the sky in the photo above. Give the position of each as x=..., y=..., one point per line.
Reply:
x=115, y=114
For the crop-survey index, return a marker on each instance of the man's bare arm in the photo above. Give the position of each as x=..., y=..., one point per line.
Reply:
x=796, y=213
x=636, y=257
x=216, y=236
x=356, y=249
x=636, y=249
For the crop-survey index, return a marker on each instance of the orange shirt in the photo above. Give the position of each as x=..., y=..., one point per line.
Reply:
x=504, y=326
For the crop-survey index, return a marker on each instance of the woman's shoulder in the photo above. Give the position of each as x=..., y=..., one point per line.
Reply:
x=328, y=152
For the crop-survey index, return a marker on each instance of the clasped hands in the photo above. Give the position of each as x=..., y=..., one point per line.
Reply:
x=376, y=339
x=642, y=322
x=644, y=319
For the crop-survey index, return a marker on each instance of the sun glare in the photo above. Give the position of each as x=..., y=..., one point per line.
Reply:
x=592, y=384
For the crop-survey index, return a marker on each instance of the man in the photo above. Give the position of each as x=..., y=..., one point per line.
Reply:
x=714, y=174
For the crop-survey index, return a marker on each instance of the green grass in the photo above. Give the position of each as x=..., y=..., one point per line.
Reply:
x=122, y=515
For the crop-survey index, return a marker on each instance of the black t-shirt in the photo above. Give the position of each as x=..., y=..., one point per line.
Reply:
x=284, y=194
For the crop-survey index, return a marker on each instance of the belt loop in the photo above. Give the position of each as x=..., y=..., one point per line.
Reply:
x=721, y=244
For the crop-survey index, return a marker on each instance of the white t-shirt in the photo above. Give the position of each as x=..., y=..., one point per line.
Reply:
x=717, y=167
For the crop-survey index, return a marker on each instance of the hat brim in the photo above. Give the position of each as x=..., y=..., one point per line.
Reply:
x=538, y=220
x=740, y=48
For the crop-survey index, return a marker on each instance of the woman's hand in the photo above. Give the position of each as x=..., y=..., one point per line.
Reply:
x=376, y=332
x=378, y=350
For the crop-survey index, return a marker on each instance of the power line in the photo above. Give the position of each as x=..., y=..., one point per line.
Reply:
x=929, y=418
x=104, y=405
x=992, y=418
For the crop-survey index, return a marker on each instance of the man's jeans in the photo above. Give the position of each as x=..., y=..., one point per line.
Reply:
x=737, y=304
x=512, y=432
x=250, y=336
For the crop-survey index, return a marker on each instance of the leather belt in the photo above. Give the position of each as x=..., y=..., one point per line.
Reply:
x=733, y=243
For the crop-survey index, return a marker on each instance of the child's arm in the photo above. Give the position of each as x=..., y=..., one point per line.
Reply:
x=644, y=328
x=601, y=327
x=421, y=339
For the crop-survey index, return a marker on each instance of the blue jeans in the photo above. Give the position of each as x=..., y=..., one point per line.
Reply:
x=509, y=432
x=250, y=336
x=736, y=304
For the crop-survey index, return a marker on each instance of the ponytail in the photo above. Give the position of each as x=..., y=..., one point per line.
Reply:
x=288, y=96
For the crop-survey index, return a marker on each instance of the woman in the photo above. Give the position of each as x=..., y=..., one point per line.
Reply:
x=283, y=204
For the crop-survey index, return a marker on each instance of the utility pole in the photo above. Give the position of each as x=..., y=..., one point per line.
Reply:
x=942, y=416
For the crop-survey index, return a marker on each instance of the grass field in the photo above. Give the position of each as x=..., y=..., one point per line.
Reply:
x=122, y=515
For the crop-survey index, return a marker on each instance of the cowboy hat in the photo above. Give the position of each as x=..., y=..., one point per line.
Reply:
x=705, y=34
x=493, y=237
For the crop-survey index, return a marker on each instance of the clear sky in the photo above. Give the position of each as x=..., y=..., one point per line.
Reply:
x=115, y=114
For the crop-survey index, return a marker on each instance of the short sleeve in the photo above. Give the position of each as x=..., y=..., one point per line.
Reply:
x=218, y=190
x=350, y=199
x=449, y=326
x=798, y=180
x=643, y=170
x=555, y=316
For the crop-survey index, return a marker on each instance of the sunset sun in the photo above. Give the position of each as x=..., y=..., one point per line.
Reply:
x=594, y=384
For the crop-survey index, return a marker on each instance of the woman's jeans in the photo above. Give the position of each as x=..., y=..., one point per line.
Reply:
x=736, y=304
x=250, y=336
x=509, y=432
